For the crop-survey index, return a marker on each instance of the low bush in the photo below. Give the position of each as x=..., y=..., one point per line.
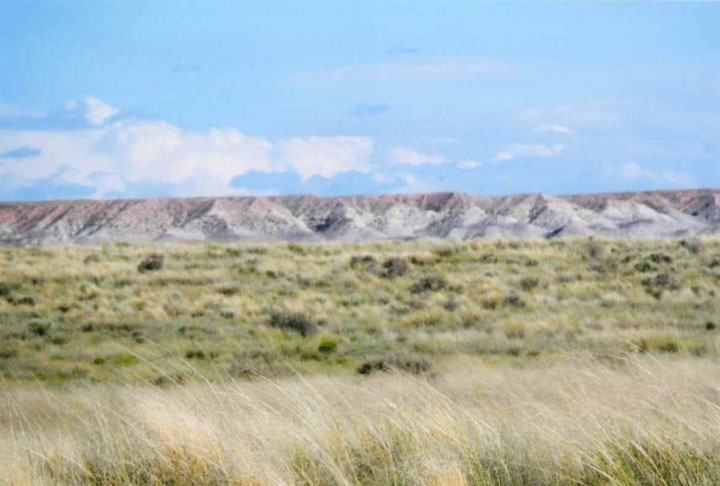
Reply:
x=151, y=263
x=293, y=321
x=529, y=283
x=396, y=362
x=431, y=283
x=327, y=346
x=394, y=267
x=358, y=261
x=693, y=245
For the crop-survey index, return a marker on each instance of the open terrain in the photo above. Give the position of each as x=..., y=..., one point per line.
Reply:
x=452, y=216
x=507, y=362
x=148, y=312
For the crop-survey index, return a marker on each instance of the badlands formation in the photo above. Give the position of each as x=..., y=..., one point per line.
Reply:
x=451, y=216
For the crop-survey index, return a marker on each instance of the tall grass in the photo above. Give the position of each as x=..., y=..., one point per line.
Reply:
x=638, y=421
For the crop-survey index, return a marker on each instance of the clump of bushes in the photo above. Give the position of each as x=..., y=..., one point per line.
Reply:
x=395, y=362
x=151, y=263
x=446, y=251
x=662, y=281
x=91, y=258
x=297, y=248
x=715, y=262
x=513, y=300
x=327, y=346
x=6, y=289
x=394, y=267
x=39, y=327
x=293, y=321
x=229, y=290
x=693, y=245
x=430, y=283
x=529, y=283
x=645, y=266
x=660, y=258
x=21, y=300
x=357, y=261
x=593, y=250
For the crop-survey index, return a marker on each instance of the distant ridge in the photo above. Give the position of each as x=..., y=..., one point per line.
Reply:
x=450, y=215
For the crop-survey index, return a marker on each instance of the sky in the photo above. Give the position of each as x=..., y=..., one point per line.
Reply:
x=132, y=98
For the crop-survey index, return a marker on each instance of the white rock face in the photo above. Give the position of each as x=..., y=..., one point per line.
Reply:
x=451, y=216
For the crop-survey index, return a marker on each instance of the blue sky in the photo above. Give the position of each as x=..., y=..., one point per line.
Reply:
x=105, y=99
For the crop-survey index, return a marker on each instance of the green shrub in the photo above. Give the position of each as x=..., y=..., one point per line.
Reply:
x=396, y=362
x=394, y=267
x=529, y=283
x=327, y=346
x=151, y=263
x=660, y=258
x=22, y=300
x=40, y=327
x=693, y=245
x=513, y=300
x=293, y=321
x=446, y=251
x=645, y=266
x=91, y=258
x=362, y=261
x=7, y=288
x=593, y=250
x=431, y=283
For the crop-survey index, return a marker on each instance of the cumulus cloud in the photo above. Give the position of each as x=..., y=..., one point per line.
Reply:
x=633, y=172
x=113, y=159
x=529, y=150
x=406, y=156
x=97, y=111
x=89, y=112
x=326, y=156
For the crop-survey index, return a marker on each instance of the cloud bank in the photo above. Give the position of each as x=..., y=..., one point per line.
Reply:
x=120, y=158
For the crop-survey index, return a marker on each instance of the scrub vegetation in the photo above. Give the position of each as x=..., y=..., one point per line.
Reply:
x=577, y=362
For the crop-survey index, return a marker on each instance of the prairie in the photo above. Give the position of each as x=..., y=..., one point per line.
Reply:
x=98, y=314
x=578, y=362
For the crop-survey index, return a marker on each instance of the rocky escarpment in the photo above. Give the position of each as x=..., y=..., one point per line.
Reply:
x=660, y=214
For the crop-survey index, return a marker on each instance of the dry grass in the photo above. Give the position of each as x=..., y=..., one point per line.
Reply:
x=636, y=422
x=482, y=363
x=98, y=314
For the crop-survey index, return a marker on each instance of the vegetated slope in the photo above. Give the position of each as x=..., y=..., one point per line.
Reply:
x=453, y=216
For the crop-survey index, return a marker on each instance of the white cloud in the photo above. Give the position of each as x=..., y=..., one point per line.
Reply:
x=469, y=164
x=529, y=150
x=555, y=128
x=113, y=158
x=97, y=112
x=326, y=156
x=406, y=156
x=633, y=172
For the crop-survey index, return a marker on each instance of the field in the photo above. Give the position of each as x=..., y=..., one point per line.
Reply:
x=407, y=363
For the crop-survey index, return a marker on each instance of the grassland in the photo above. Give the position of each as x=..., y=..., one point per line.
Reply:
x=211, y=310
x=500, y=363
